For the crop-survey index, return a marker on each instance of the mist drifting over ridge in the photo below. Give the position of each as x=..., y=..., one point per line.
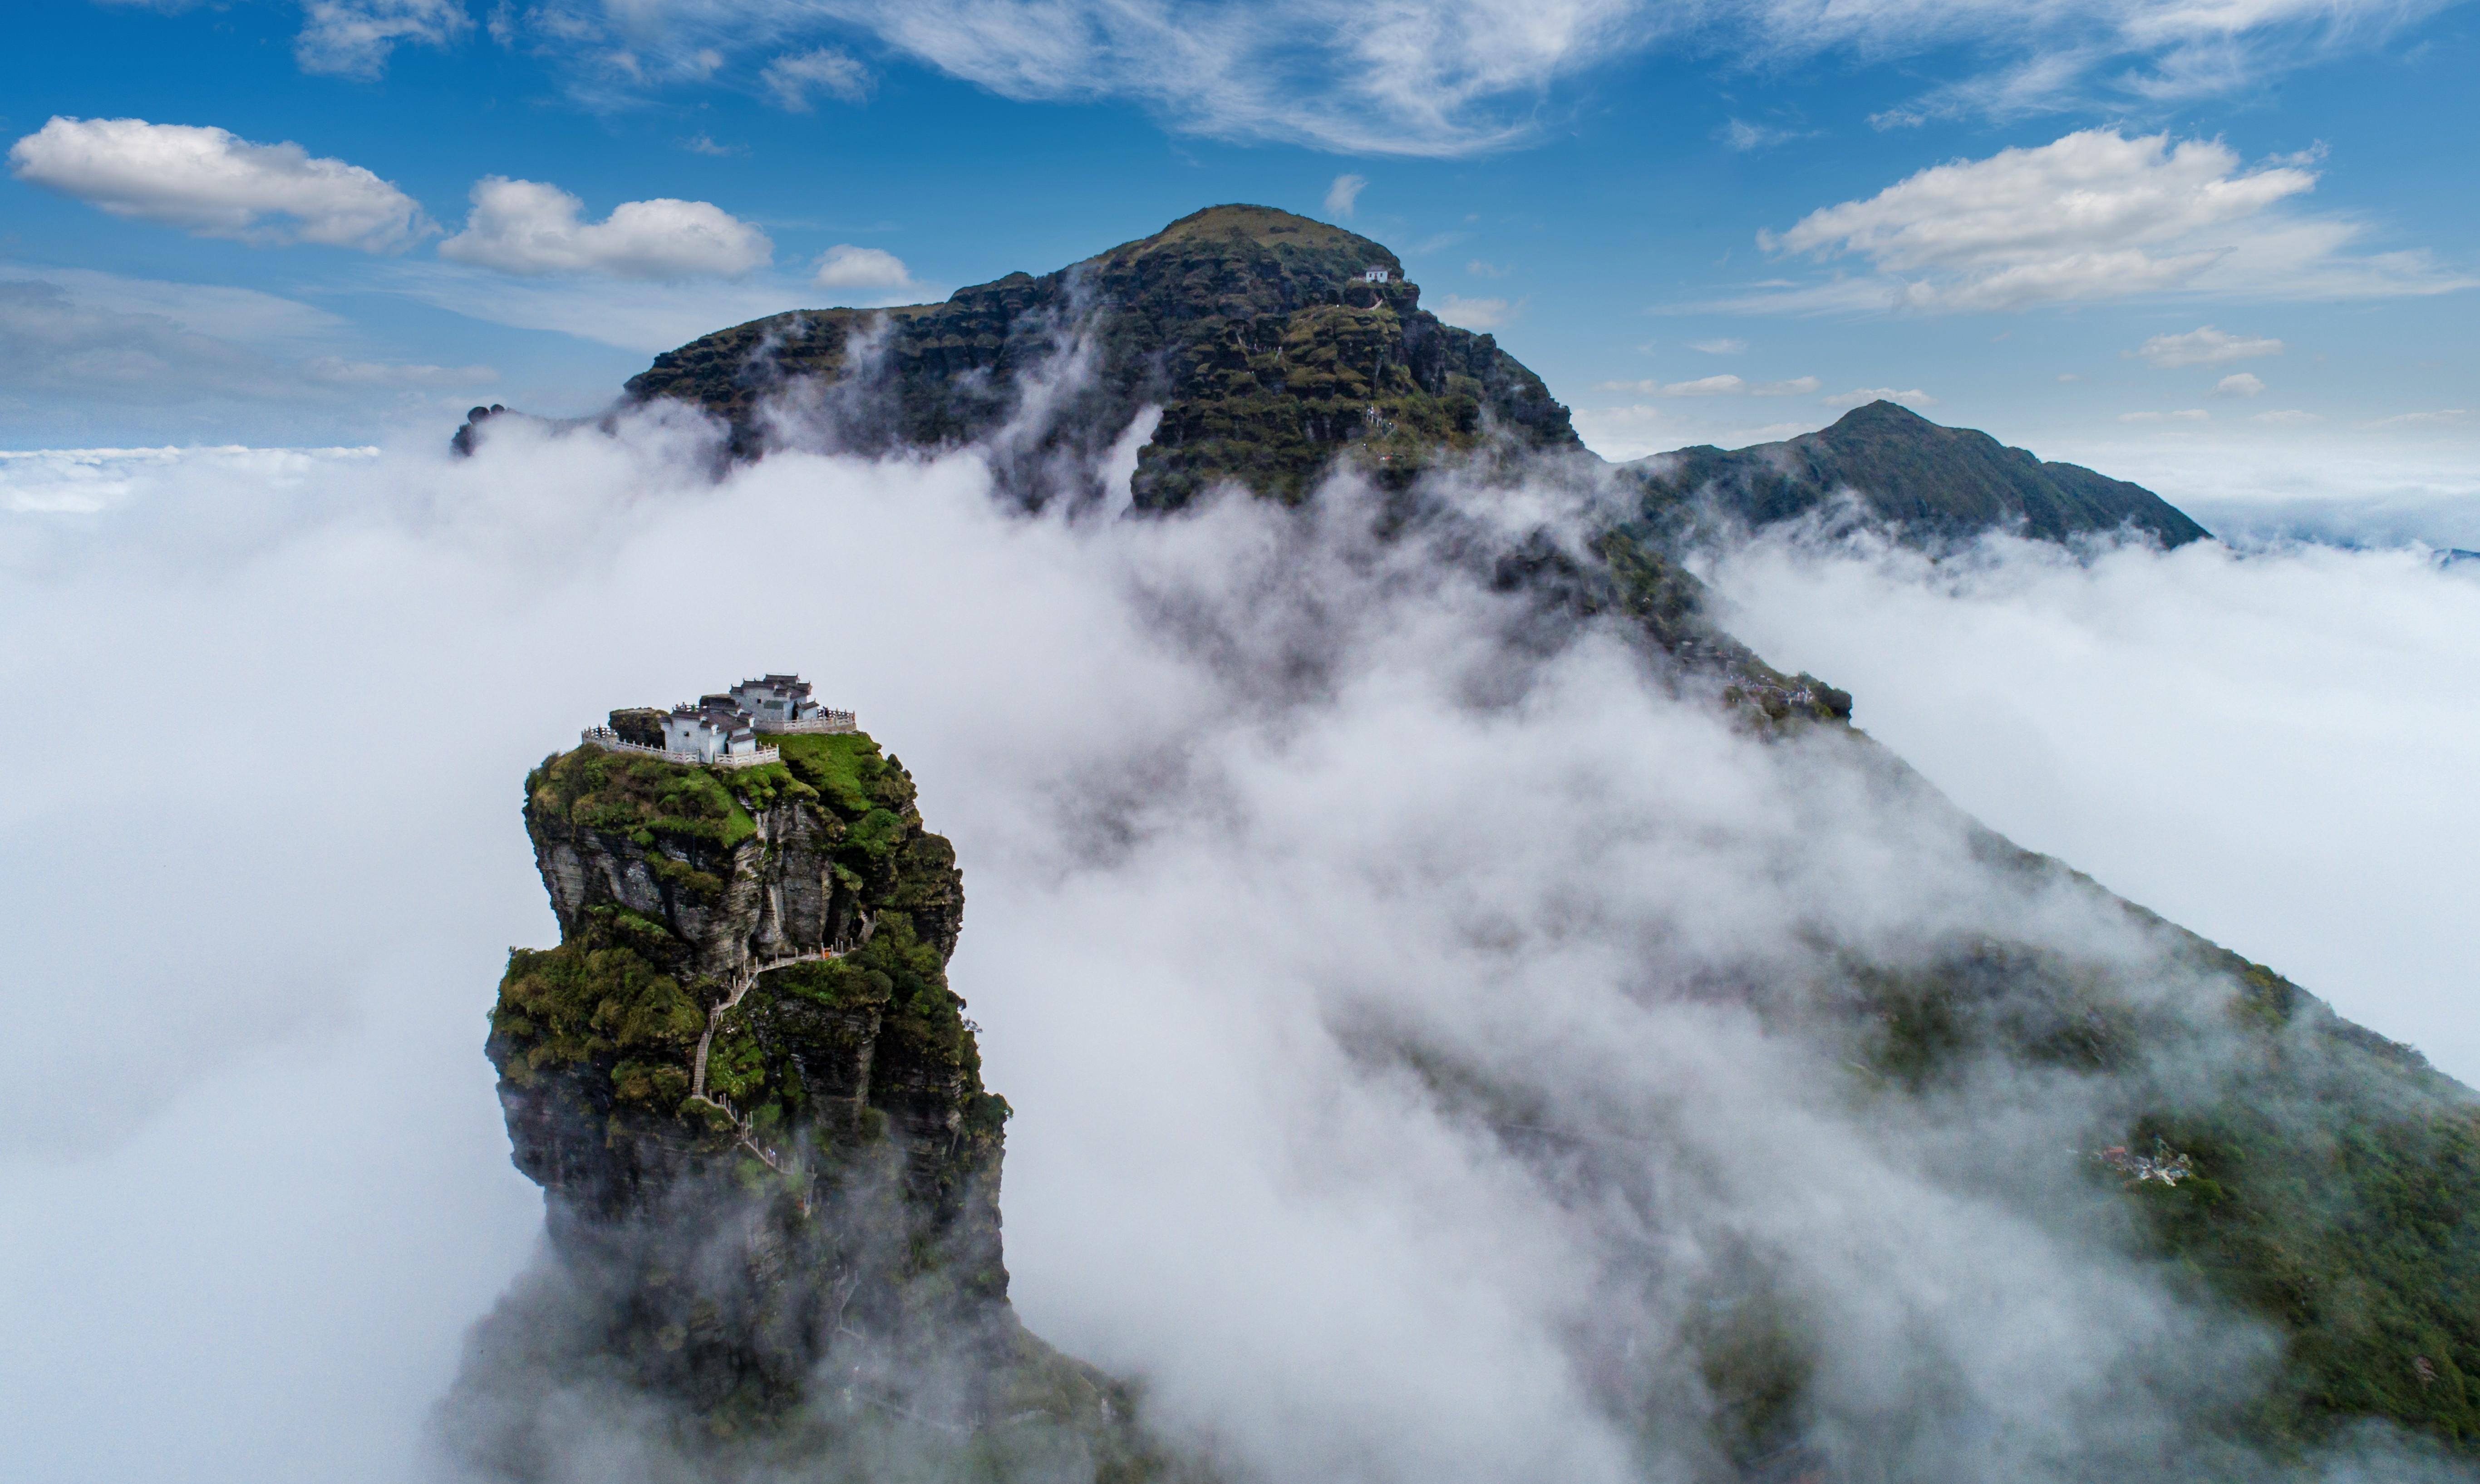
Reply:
x=1415, y=1025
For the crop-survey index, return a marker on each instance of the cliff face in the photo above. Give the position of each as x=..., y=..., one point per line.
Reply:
x=770, y=1168
x=1254, y=329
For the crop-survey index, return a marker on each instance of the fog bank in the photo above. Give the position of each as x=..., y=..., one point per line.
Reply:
x=1409, y=1016
x=2274, y=749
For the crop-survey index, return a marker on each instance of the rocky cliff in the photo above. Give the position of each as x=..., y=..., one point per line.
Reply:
x=1257, y=332
x=770, y=1168
x=1272, y=356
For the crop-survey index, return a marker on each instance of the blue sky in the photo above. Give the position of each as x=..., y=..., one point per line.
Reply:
x=2169, y=227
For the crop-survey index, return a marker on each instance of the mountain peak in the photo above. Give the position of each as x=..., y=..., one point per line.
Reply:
x=1883, y=413
x=1924, y=480
x=1273, y=343
x=1267, y=226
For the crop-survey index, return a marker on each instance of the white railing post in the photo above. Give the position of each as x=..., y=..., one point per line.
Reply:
x=829, y=721
x=609, y=741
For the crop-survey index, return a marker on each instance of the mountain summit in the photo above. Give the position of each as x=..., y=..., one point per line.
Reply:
x=1273, y=344
x=1913, y=475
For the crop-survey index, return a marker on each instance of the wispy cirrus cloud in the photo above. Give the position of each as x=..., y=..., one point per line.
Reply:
x=2093, y=217
x=1725, y=385
x=2202, y=346
x=355, y=37
x=1429, y=77
x=1861, y=396
x=1474, y=314
x=790, y=80
x=88, y=349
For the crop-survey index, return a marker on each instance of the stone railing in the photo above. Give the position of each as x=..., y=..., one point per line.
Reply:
x=609, y=741
x=824, y=721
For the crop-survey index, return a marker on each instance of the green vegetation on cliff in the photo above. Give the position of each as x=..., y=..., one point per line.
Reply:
x=755, y=1107
x=641, y=797
x=2335, y=1192
x=1253, y=329
x=577, y=1003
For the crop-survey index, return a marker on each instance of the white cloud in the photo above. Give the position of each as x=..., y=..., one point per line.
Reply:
x=1628, y=432
x=2240, y=384
x=652, y=316
x=344, y=372
x=214, y=182
x=2184, y=415
x=792, y=79
x=2204, y=346
x=2287, y=417
x=268, y=322
x=1861, y=396
x=1744, y=137
x=1307, y=1245
x=92, y=353
x=353, y=37
x=2139, y=714
x=524, y=226
x=1725, y=345
x=1476, y=314
x=2093, y=215
x=847, y=267
x=1452, y=77
x=1344, y=195
x=1482, y=269
x=1724, y=384
x=1634, y=430
x=57, y=344
x=2448, y=417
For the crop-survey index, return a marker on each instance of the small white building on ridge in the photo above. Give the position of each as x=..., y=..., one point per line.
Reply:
x=775, y=698
x=714, y=727
x=725, y=728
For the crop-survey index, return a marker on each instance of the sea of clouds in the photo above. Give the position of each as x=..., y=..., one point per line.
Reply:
x=1259, y=818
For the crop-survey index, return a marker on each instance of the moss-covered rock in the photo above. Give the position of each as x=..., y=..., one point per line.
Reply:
x=756, y=1110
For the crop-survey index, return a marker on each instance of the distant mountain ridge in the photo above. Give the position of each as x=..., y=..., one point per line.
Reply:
x=1920, y=479
x=1275, y=346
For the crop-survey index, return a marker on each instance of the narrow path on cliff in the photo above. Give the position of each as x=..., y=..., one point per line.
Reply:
x=741, y=984
x=747, y=1134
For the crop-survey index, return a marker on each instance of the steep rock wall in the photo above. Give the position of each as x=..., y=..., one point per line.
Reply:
x=771, y=1169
